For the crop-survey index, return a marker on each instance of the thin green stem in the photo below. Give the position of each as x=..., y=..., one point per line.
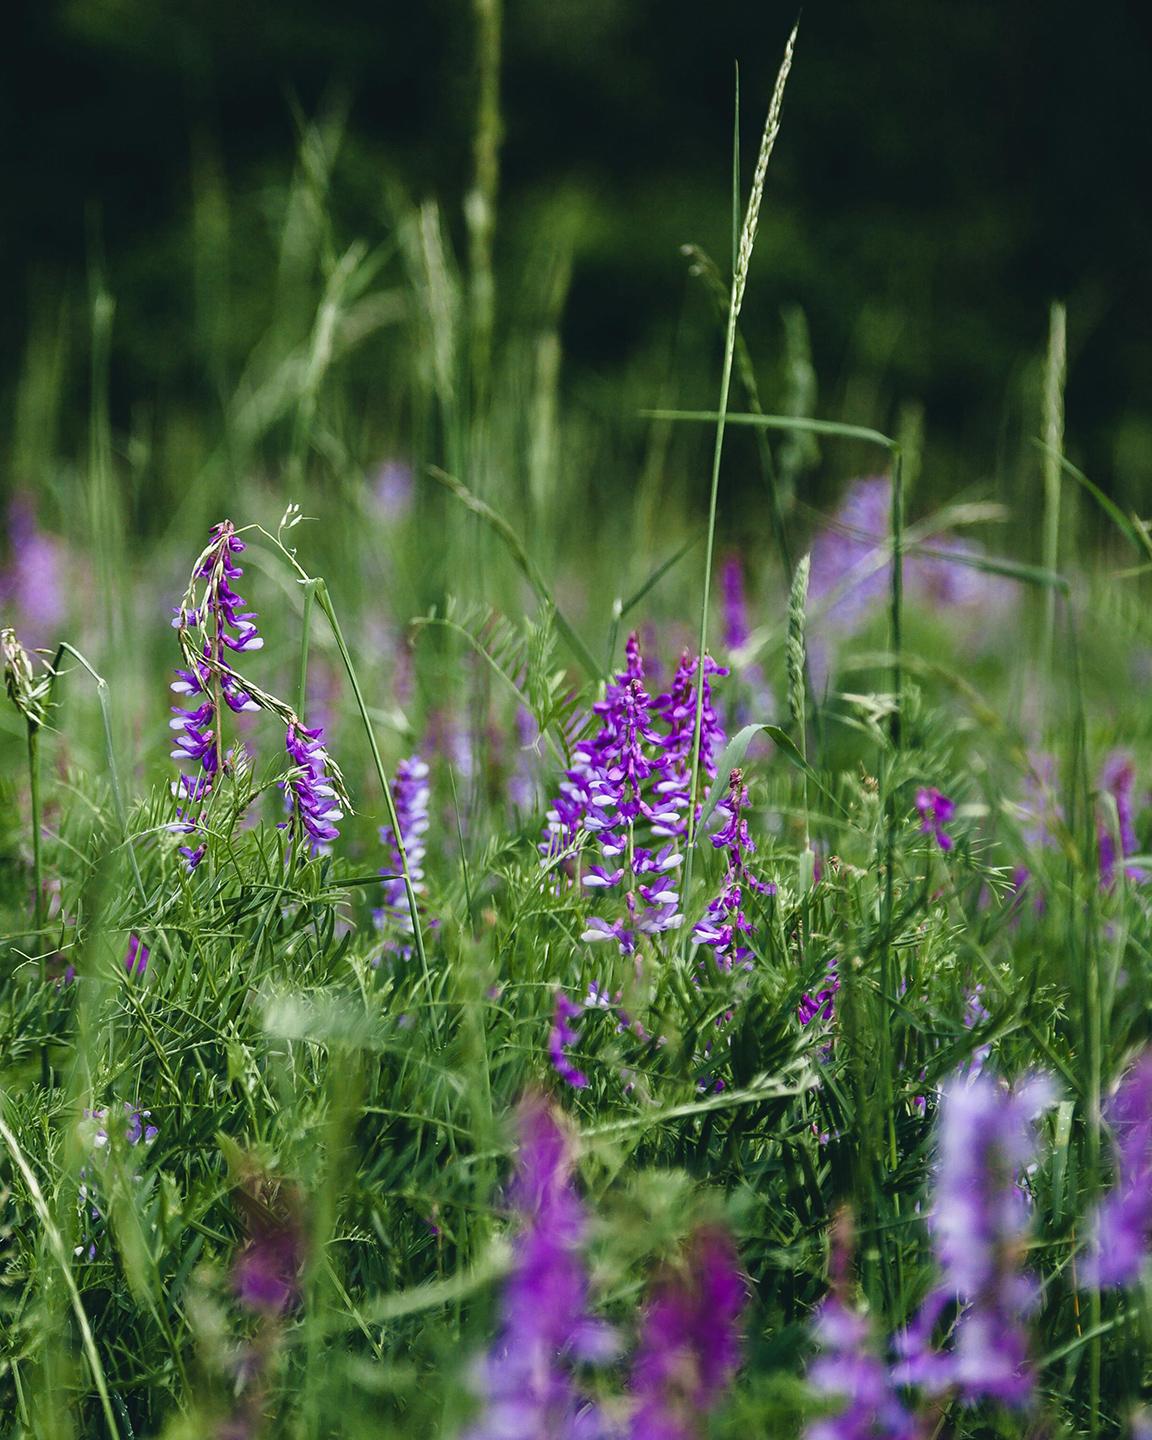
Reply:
x=37, y=822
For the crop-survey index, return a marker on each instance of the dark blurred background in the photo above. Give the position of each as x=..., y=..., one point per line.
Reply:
x=946, y=169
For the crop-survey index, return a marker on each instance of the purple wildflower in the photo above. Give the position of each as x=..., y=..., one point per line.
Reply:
x=32, y=586
x=725, y=924
x=411, y=793
x=136, y=956
x=392, y=490
x=223, y=626
x=89, y=1196
x=980, y=1227
x=310, y=790
x=1121, y=1229
x=266, y=1273
x=850, y=1371
x=526, y=1378
x=759, y=703
x=689, y=1346
x=561, y=1035
x=1117, y=779
x=820, y=1005
x=936, y=810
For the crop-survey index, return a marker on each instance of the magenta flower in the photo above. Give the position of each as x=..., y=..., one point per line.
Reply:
x=689, y=1346
x=936, y=810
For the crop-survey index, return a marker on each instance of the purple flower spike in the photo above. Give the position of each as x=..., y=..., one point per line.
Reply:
x=849, y=1374
x=1121, y=1229
x=1118, y=779
x=525, y=1380
x=980, y=1225
x=936, y=810
x=136, y=956
x=820, y=1005
x=689, y=1346
x=32, y=585
x=310, y=792
x=266, y=1275
x=226, y=629
x=411, y=794
x=561, y=1035
x=725, y=924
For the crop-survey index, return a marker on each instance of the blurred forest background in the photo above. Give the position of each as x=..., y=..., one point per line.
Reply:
x=946, y=169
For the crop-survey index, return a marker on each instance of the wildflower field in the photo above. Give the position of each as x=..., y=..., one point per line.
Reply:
x=516, y=924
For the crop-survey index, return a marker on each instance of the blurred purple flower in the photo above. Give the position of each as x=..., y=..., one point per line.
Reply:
x=689, y=1347
x=1118, y=779
x=411, y=793
x=32, y=584
x=561, y=1035
x=935, y=810
x=136, y=956
x=980, y=1225
x=1121, y=1229
x=392, y=490
x=525, y=1380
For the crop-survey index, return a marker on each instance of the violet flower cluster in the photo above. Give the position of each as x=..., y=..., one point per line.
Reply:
x=561, y=1036
x=980, y=1227
x=850, y=1374
x=32, y=583
x=819, y=1006
x=309, y=791
x=628, y=792
x=936, y=811
x=760, y=704
x=526, y=1380
x=689, y=1347
x=411, y=793
x=227, y=628
x=1121, y=1229
x=725, y=925
x=89, y=1197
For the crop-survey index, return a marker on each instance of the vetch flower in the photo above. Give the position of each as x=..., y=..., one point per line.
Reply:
x=310, y=790
x=32, y=583
x=725, y=924
x=936, y=810
x=689, y=1347
x=136, y=1130
x=980, y=1225
x=136, y=956
x=561, y=1035
x=526, y=1378
x=1118, y=779
x=411, y=793
x=820, y=1005
x=1121, y=1229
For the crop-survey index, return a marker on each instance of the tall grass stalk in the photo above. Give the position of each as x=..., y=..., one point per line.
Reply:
x=1055, y=370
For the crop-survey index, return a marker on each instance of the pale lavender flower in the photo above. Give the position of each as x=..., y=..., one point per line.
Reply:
x=689, y=1346
x=392, y=490
x=980, y=1226
x=1121, y=1229
x=562, y=1035
x=526, y=1379
x=522, y=781
x=1118, y=779
x=935, y=810
x=137, y=1130
x=32, y=584
x=850, y=1375
x=411, y=793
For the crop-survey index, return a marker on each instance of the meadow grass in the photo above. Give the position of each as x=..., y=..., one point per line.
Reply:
x=932, y=706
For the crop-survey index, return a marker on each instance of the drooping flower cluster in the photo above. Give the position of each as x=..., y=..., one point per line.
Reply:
x=309, y=791
x=526, y=1380
x=628, y=792
x=725, y=925
x=935, y=810
x=213, y=625
x=980, y=1227
x=689, y=1346
x=1118, y=780
x=850, y=1374
x=561, y=1035
x=1121, y=1230
x=411, y=793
